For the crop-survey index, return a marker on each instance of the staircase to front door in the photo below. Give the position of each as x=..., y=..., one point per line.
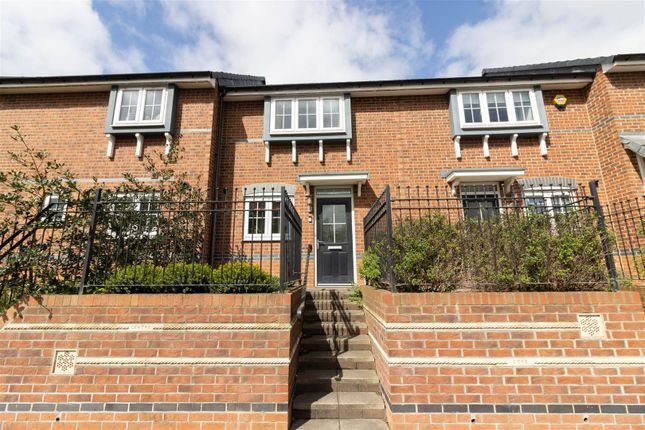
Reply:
x=336, y=385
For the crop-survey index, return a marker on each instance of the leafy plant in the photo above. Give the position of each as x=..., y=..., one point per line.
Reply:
x=240, y=277
x=515, y=251
x=355, y=295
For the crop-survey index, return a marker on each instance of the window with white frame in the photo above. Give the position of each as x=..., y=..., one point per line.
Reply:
x=480, y=201
x=498, y=108
x=550, y=200
x=57, y=209
x=140, y=106
x=307, y=115
x=262, y=218
x=133, y=215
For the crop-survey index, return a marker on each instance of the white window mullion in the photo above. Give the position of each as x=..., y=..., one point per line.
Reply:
x=510, y=106
x=483, y=101
x=140, y=102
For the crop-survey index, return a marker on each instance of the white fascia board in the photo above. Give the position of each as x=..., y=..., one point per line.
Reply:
x=78, y=87
x=624, y=67
x=478, y=176
x=398, y=90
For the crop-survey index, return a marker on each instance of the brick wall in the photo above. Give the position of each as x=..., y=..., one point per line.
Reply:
x=617, y=104
x=71, y=128
x=509, y=360
x=149, y=361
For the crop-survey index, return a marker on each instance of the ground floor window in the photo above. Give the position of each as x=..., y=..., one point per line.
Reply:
x=53, y=203
x=550, y=200
x=262, y=218
x=480, y=201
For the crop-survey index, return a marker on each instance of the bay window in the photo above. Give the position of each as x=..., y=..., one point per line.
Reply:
x=140, y=106
x=307, y=115
x=498, y=108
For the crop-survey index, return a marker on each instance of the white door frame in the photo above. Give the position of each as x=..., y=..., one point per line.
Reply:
x=353, y=228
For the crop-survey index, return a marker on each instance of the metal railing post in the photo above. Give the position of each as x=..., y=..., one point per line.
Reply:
x=283, y=239
x=90, y=241
x=604, y=236
x=388, y=216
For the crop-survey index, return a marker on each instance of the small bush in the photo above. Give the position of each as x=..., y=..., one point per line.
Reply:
x=426, y=254
x=239, y=277
x=370, y=268
x=229, y=278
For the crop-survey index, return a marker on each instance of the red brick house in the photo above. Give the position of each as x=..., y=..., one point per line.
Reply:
x=520, y=360
x=334, y=146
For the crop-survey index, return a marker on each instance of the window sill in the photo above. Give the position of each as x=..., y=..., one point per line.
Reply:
x=137, y=124
x=480, y=126
x=307, y=131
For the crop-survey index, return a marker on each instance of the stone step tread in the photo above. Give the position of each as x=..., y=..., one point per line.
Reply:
x=350, y=375
x=339, y=312
x=342, y=424
x=338, y=400
x=332, y=324
x=321, y=338
x=346, y=355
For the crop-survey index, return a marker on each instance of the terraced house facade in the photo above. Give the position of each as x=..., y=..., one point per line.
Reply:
x=337, y=161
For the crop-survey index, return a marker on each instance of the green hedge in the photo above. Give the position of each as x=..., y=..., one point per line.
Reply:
x=512, y=252
x=228, y=278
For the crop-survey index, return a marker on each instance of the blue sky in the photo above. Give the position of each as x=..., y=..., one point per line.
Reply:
x=310, y=41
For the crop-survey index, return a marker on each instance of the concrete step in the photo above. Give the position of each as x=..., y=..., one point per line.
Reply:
x=331, y=360
x=335, y=343
x=335, y=315
x=326, y=305
x=337, y=380
x=347, y=424
x=327, y=294
x=338, y=405
x=335, y=329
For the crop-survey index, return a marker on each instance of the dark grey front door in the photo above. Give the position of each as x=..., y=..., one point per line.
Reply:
x=335, y=256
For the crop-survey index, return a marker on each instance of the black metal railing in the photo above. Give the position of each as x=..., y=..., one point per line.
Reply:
x=245, y=240
x=531, y=237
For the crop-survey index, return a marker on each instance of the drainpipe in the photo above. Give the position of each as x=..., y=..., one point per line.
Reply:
x=218, y=163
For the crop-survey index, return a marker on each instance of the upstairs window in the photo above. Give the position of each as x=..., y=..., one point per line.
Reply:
x=307, y=115
x=140, y=106
x=505, y=108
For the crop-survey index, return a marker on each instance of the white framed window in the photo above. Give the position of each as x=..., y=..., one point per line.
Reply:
x=133, y=215
x=547, y=200
x=307, y=115
x=262, y=218
x=481, y=200
x=497, y=108
x=53, y=203
x=140, y=106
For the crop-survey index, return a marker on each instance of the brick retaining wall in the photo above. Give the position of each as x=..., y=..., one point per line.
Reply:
x=149, y=361
x=510, y=360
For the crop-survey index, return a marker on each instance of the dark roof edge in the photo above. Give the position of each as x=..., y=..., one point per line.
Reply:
x=72, y=79
x=403, y=83
x=565, y=66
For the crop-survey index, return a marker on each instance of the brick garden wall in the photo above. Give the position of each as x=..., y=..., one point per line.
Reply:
x=149, y=361
x=510, y=360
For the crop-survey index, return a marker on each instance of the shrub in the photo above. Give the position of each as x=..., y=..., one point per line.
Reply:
x=514, y=251
x=426, y=254
x=239, y=277
x=231, y=278
x=370, y=268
